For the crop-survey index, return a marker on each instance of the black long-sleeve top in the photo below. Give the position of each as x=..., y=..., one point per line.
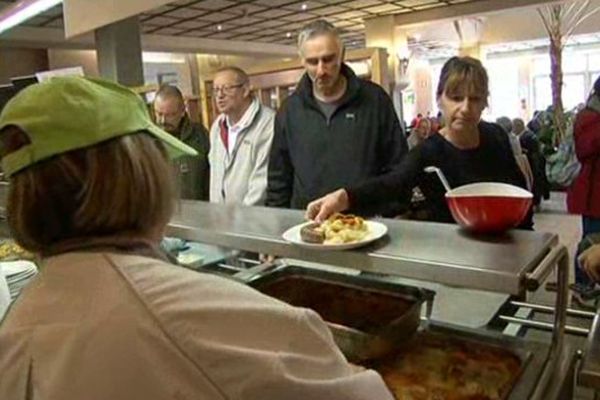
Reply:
x=491, y=161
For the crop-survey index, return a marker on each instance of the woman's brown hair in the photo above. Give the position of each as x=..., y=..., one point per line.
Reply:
x=460, y=71
x=123, y=186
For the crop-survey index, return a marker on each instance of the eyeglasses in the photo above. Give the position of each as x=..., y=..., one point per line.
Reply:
x=226, y=89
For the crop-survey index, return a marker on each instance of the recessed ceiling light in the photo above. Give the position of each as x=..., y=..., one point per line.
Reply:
x=289, y=34
x=304, y=6
x=219, y=27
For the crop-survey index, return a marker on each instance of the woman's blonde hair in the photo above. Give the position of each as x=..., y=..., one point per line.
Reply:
x=122, y=186
x=460, y=73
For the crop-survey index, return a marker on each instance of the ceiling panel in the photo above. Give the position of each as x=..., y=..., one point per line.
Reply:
x=326, y=11
x=414, y=3
x=299, y=17
x=362, y=3
x=214, y=4
x=303, y=6
x=166, y=31
x=352, y=14
x=161, y=20
x=245, y=9
x=37, y=21
x=267, y=21
x=185, y=12
x=275, y=3
x=383, y=8
x=194, y=24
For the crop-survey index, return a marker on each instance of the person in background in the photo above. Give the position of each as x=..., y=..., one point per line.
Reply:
x=466, y=149
x=515, y=145
x=420, y=132
x=416, y=120
x=192, y=172
x=535, y=126
x=241, y=141
x=436, y=122
x=589, y=262
x=531, y=148
x=507, y=126
x=107, y=317
x=583, y=197
x=334, y=130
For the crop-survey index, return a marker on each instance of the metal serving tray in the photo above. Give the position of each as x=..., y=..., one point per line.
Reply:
x=367, y=316
x=532, y=355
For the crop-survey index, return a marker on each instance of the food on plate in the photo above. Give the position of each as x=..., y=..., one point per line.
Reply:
x=312, y=233
x=432, y=366
x=10, y=251
x=337, y=229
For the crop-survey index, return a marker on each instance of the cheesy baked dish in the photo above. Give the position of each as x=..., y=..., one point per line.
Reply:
x=434, y=367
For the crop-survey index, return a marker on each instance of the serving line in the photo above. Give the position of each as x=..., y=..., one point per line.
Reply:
x=440, y=253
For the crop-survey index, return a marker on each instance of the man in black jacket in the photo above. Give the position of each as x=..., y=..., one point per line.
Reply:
x=335, y=130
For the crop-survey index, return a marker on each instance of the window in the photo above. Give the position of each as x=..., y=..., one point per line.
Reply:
x=504, y=98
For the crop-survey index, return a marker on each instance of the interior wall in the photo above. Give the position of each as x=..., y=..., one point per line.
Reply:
x=63, y=58
x=208, y=64
x=19, y=62
x=174, y=72
x=421, y=82
x=178, y=74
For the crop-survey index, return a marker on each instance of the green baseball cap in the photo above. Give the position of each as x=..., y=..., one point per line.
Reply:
x=70, y=113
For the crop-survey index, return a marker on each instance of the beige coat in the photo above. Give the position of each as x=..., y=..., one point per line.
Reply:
x=241, y=177
x=108, y=326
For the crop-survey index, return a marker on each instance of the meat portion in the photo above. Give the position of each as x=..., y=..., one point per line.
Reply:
x=312, y=233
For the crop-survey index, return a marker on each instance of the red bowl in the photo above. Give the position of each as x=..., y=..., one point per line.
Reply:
x=489, y=206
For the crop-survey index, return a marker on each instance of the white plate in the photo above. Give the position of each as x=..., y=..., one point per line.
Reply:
x=18, y=267
x=376, y=231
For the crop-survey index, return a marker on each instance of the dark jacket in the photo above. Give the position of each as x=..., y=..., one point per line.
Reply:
x=532, y=149
x=583, y=196
x=192, y=172
x=491, y=161
x=312, y=156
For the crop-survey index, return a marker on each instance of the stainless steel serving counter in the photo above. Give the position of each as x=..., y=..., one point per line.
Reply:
x=589, y=373
x=441, y=253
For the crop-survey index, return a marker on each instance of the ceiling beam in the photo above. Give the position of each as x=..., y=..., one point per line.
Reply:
x=28, y=37
x=464, y=10
x=178, y=44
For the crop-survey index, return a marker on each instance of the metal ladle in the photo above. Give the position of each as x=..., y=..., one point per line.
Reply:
x=440, y=174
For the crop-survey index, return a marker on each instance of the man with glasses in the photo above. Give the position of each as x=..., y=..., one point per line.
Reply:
x=192, y=172
x=241, y=140
x=335, y=130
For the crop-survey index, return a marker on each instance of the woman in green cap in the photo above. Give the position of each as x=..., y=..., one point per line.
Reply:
x=107, y=317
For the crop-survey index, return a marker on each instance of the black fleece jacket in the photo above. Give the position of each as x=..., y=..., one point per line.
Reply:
x=312, y=156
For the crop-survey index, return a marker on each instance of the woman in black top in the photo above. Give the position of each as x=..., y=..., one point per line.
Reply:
x=466, y=149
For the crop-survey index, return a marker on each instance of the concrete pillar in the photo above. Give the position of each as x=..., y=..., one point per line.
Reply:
x=382, y=32
x=119, y=50
x=379, y=32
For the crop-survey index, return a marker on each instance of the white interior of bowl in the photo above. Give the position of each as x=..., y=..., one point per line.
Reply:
x=491, y=189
